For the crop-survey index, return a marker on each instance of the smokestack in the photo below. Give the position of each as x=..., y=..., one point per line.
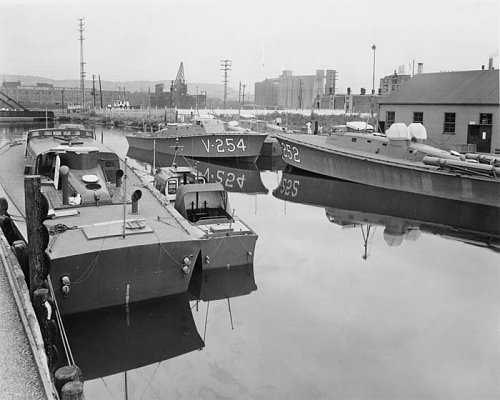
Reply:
x=420, y=68
x=490, y=64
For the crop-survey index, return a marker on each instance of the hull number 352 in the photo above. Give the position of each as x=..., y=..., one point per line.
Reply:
x=291, y=152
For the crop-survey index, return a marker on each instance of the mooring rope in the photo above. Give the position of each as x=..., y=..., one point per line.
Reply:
x=62, y=331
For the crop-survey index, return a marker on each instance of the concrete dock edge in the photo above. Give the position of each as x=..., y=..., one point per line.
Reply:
x=27, y=315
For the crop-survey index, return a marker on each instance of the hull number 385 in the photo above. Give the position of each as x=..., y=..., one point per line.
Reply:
x=291, y=152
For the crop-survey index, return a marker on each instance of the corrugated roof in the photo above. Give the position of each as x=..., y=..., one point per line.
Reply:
x=463, y=87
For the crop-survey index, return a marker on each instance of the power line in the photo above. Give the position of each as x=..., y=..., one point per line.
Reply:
x=225, y=66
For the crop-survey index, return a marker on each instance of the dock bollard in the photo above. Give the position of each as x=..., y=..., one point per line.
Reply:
x=72, y=391
x=69, y=373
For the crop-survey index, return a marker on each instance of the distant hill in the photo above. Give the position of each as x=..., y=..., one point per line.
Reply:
x=214, y=90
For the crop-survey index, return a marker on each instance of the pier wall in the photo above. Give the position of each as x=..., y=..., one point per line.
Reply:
x=25, y=371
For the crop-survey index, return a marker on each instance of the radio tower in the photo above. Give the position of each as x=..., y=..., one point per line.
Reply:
x=82, y=70
x=225, y=66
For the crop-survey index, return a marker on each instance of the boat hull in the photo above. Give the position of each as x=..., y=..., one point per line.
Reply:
x=313, y=155
x=228, y=251
x=245, y=146
x=271, y=147
x=121, y=275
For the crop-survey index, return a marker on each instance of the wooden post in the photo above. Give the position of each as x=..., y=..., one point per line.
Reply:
x=72, y=391
x=36, y=211
x=69, y=373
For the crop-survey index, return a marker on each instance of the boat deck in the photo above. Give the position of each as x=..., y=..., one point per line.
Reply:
x=154, y=223
x=320, y=142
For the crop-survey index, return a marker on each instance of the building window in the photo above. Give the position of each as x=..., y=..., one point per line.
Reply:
x=485, y=119
x=418, y=117
x=449, y=123
x=390, y=117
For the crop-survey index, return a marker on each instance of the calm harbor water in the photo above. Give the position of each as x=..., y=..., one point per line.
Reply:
x=395, y=308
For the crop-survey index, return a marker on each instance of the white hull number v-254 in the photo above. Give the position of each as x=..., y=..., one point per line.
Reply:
x=223, y=145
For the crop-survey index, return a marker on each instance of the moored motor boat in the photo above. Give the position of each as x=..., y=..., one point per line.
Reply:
x=111, y=243
x=226, y=241
x=398, y=160
x=202, y=138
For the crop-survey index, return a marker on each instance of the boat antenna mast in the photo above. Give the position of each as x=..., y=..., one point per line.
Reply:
x=372, y=100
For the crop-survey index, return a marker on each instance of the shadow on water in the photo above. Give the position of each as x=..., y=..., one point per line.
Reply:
x=119, y=339
x=403, y=215
x=235, y=176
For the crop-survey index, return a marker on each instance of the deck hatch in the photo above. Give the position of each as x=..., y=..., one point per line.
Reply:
x=115, y=228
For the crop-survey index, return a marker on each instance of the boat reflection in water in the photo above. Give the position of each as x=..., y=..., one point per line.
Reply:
x=235, y=176
x=222, y=283
x=113, y=340
x=403, y=215
x=120, y=339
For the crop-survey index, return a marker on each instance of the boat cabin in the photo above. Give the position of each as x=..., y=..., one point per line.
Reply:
x=168, y=180
x=400, y=141
x=203, y=204
x=89, y=166
x=353, y=126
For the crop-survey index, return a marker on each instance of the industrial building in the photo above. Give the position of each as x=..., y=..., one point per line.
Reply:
x=460, y=110
x=301, y=91
x=44, y=95
x=177, y=97
x=391, y=83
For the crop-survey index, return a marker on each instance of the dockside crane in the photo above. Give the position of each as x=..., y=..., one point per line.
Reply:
x=10, y=102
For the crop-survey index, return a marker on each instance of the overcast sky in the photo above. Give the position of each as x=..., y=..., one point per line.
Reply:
x=146, y=40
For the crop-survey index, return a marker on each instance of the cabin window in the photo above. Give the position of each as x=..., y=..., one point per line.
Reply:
x=449, y=123
x=354, y=139
x=368, y=141
x=390, y=117
x=485, y=119
x=418, y=117
x=172, y=186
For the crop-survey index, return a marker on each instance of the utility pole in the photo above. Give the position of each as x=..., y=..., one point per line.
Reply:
x=239, y=94
x=300, y=94
x=93, y=89
x=225, y=66
x=372, y=100
x=82, y=63
x=243, y=95
x=373, y=79
x=100, y=90
x=196, y=99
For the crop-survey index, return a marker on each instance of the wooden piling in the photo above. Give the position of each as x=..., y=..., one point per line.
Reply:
x=67, y=374
x=36, y=212
x=72, y=391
